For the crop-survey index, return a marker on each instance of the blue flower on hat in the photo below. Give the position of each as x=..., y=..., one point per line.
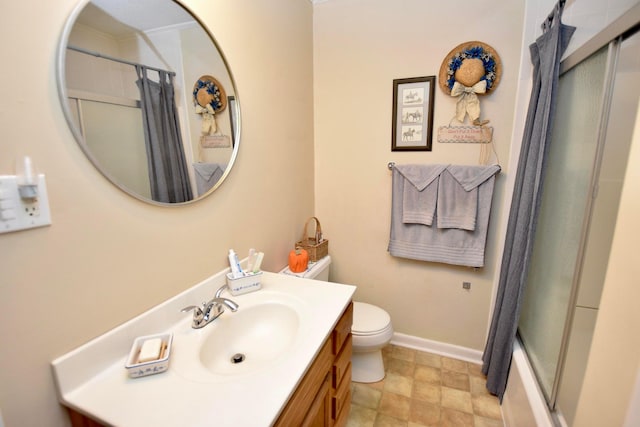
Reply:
x=212, y=89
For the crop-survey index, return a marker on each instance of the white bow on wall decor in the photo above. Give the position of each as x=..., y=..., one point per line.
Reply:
x=468, y=101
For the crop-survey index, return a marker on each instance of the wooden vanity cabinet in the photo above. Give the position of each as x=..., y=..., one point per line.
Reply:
x=341, y=369
x=323, y=396
x=79, y=420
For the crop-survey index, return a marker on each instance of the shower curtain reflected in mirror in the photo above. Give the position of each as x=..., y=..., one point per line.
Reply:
x=168, y=175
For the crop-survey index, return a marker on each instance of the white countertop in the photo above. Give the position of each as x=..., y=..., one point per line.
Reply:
x=92, y=379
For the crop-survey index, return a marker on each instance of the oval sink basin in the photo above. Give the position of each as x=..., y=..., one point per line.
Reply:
x=249, y=339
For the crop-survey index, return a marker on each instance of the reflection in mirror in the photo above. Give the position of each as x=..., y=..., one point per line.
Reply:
x=150, y=98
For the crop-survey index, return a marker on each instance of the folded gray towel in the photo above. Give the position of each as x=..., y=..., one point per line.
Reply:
x=419, y=198
x=458, y=195
x=472, y=176
x=207, y=174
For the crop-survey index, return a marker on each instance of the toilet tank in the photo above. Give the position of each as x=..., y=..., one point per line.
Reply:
x=318, y=270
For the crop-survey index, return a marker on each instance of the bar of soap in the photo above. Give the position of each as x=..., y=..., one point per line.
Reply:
x=150, y=350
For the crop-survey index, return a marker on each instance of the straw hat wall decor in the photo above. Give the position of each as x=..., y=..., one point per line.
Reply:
x=209, y=98
x=470, y=70
x=208, y=91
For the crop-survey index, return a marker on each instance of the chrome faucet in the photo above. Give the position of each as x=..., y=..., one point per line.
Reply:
x=211, y=310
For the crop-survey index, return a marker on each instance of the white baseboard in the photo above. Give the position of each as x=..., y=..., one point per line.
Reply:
x=443, y=349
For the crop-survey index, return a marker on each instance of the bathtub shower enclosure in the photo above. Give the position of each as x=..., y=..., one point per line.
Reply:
x=121, y=148
x=596, y=111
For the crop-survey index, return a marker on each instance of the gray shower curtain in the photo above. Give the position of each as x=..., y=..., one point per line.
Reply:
x=546, y=53
x=165, y=153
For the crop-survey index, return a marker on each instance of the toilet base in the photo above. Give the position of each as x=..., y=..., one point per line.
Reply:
x=367, y=367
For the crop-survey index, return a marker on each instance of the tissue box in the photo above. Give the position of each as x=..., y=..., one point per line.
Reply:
x=247, y=283
x=140, y=369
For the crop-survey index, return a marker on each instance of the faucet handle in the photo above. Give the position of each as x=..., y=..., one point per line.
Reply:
x=231, y=304
x=198, y=314
x=191, y=307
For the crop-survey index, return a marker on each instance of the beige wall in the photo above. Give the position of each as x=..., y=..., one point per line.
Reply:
x=360, y=46
x=108, y=257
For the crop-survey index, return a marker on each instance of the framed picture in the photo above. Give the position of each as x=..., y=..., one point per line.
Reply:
x=231, y=101
x=412, y=119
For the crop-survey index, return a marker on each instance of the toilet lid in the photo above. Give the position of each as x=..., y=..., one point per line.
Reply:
x=369, y=319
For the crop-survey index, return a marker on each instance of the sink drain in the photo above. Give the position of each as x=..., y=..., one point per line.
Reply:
x=237, y=358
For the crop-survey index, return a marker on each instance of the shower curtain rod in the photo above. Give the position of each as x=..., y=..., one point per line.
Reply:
x=111, y=58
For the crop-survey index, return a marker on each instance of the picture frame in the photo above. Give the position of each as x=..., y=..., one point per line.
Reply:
x=412, y=117
x=231, y=101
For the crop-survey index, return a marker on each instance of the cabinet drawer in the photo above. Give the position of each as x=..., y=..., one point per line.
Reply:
x=342, y=398
x=341, y=364
x=343, y=416
x=342, y=329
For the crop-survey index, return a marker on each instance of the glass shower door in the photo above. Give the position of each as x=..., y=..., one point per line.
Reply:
x=558, y=239
x=119, y=149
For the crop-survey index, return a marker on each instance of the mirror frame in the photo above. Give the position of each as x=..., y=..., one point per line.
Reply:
x=63, y=98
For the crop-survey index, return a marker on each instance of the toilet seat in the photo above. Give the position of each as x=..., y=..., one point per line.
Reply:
x=369, y=320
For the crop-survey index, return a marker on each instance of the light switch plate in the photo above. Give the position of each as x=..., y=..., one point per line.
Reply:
x=17, y=213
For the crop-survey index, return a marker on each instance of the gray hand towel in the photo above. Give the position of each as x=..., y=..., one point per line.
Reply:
x=458, y=195
x=420, y=196
x=207, y=174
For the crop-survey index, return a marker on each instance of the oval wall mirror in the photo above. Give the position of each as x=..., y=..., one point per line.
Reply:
x=150, y=98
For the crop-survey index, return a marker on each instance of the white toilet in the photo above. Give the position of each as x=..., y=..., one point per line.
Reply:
x=371, y=329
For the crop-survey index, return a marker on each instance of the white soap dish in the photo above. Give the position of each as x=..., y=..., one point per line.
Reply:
x=137, y=368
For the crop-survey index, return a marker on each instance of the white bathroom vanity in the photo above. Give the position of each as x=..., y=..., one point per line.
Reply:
x=294, y=335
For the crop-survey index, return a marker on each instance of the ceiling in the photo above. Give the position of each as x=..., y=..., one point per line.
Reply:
x=121, y=18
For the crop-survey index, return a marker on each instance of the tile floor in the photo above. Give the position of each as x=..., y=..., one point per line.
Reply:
x=424, y=389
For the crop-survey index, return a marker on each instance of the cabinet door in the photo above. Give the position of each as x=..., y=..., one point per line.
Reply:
x=295, y=412
x=79, y=420
x=319, y=414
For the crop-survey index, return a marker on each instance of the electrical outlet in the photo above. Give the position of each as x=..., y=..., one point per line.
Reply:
x=32, y=209
x=466, y=285
x=18, y=213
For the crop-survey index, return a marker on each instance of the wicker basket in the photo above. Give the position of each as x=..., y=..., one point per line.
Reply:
x=317, y=247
